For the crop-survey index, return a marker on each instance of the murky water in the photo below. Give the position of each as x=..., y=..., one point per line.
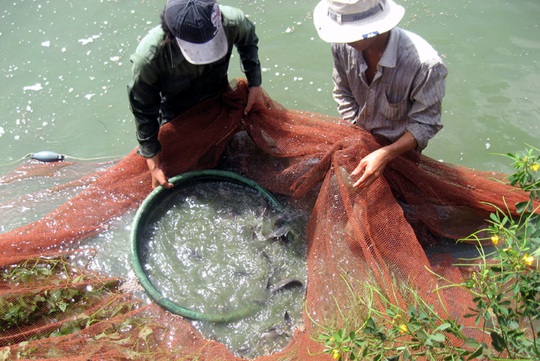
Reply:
x=65, y=67
x=220, y=250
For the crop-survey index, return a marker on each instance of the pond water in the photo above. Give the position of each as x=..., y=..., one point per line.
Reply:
x=65, y=67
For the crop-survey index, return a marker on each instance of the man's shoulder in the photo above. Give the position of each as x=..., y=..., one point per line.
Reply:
x=148, y=45
x=411, y=41
x=232, y=16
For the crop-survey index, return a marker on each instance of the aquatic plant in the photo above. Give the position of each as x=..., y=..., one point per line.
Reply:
x=48, y=299
x=504, y=285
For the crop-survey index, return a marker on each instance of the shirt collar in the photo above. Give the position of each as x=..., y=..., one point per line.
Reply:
x=390, y=55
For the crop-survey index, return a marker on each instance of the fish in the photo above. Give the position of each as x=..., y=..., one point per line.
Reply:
x=286, y=284
x=274, y=334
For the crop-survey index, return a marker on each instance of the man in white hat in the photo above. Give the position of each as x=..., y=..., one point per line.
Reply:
x=387, y=80
x=184, y=61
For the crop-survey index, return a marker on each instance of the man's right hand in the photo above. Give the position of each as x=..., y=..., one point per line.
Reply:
x=158, y=176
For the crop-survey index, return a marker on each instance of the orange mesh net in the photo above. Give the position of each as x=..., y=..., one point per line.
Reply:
x=380, y=233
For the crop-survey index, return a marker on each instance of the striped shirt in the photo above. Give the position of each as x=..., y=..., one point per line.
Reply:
x=405, y=94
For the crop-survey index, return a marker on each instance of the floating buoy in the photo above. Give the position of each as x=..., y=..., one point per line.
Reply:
x=47, y=156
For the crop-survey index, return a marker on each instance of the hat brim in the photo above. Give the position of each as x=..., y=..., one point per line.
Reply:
x=333, y=32
x=205, y=53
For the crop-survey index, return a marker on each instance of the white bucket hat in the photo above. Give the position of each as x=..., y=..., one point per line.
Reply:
x=347, y=21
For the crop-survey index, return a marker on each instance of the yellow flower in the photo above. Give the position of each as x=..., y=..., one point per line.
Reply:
x=528, y=260
x=535, y=167
x=495, y=239
x=336, y=355
x=403, y=328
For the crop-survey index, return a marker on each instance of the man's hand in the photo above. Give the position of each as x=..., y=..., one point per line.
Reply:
x=372, y=166
x=255, y=96
x=158, y=177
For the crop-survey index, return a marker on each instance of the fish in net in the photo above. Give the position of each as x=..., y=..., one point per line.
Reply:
x=379, y=233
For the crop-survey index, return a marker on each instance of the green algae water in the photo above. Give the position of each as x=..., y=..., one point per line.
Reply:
x=65, y=66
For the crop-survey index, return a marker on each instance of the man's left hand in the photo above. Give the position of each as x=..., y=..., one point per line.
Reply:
x=255, y=97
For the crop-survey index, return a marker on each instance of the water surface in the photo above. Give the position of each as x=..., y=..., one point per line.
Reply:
x=66, y=66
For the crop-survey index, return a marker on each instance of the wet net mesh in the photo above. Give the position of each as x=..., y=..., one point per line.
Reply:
x=381, y=233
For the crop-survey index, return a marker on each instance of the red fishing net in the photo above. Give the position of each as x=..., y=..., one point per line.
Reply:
x=381, y=233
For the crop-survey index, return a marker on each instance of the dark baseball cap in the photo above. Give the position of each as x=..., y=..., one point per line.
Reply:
x=198, y=29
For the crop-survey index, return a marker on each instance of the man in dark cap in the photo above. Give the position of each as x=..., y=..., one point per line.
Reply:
x=185, y=61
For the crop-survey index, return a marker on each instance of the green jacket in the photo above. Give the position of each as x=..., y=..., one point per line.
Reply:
x=165, y=84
